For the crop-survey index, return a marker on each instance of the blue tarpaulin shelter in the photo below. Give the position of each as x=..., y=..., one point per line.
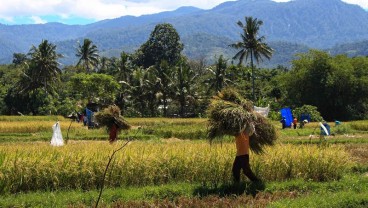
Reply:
x=286, y=112
x=89, y=115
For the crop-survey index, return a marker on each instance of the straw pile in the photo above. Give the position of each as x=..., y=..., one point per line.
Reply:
x=112, y=115
x=230, y=114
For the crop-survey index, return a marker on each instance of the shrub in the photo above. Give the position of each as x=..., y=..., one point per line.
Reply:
x=342, y=129
x=308, y=109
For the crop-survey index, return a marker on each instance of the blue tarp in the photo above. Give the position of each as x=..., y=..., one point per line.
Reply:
x=286, y=112
x=89, y=115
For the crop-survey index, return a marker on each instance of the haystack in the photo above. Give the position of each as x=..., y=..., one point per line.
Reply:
x=230, y=114
x=112, y=115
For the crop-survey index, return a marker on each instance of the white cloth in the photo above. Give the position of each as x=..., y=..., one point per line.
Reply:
x=57, y=137
x=263, y=111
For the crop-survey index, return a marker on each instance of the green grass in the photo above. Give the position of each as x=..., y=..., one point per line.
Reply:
x=88, y=198
x=344, y=199
x=351, y=191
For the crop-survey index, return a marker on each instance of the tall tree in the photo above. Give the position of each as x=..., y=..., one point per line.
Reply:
x=184, y=83
x=163, y=45
x=219, y=77
x=104, y=64
x=124, y=67
x=88, y=55
x=143, y=92
x=251, y=45
x=164, y=73
x=43, y=69
x=124, y=75
x=99, y=88
x=337, y=86
x=19, y=58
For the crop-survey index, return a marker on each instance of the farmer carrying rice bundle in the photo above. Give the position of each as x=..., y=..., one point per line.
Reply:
x=112, y=119
x=230, y=114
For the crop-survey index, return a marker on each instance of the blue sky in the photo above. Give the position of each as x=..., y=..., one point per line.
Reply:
x=87, y=11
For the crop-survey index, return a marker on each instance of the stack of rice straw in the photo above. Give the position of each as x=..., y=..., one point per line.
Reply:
x=112, y=115
x=230, y=114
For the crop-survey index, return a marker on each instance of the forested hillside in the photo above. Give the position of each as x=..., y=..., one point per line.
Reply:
x=311, y=23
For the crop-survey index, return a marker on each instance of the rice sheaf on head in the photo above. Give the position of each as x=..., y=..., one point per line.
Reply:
x=112, y=115
x=230, y=114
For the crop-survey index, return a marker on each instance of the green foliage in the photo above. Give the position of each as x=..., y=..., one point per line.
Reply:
x=65, y=107
x=163, y=45
x=185, y=87
x=310, y=110
x=251, y=45
x=100, y=88
x=88, y=55
x=41, y=103
x=350, y=190
x=43, y=69
x=335, y=85
x=219, y=75
x=19, y=58
x=9, y=75
x=342, y=129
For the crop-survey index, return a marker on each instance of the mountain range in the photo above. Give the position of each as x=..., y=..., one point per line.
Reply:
x=289, y=27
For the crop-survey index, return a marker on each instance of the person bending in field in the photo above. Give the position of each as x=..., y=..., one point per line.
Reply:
x=241, y=161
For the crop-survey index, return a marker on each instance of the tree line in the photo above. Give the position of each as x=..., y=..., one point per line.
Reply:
x=158, y=80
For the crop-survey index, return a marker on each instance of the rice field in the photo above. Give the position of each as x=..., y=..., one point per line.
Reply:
x=165, y=152
x=80, y=165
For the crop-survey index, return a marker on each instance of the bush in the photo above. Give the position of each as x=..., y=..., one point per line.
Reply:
x=308, y=109
x=342, y=129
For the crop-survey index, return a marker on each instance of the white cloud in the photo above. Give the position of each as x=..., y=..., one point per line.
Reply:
x=362, y=3
x=103, y=9
x=95, y=9
x=38, y=20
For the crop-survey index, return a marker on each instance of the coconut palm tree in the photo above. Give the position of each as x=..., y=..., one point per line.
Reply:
x=184, y=84
x=88, y=55
x=143, y=91
x=43, y=69
x=219, y=75
x=251, y=45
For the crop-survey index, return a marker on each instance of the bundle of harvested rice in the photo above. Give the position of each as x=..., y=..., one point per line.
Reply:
x=110, y=116
x=230, y=114
x=264, y=134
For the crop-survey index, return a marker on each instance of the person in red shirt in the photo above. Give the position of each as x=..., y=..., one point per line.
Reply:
x=295, y=122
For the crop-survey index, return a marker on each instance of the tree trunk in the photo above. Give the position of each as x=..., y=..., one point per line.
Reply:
x=182, y=103
x=252, y=66
x=165, y=103
x=182, y=94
